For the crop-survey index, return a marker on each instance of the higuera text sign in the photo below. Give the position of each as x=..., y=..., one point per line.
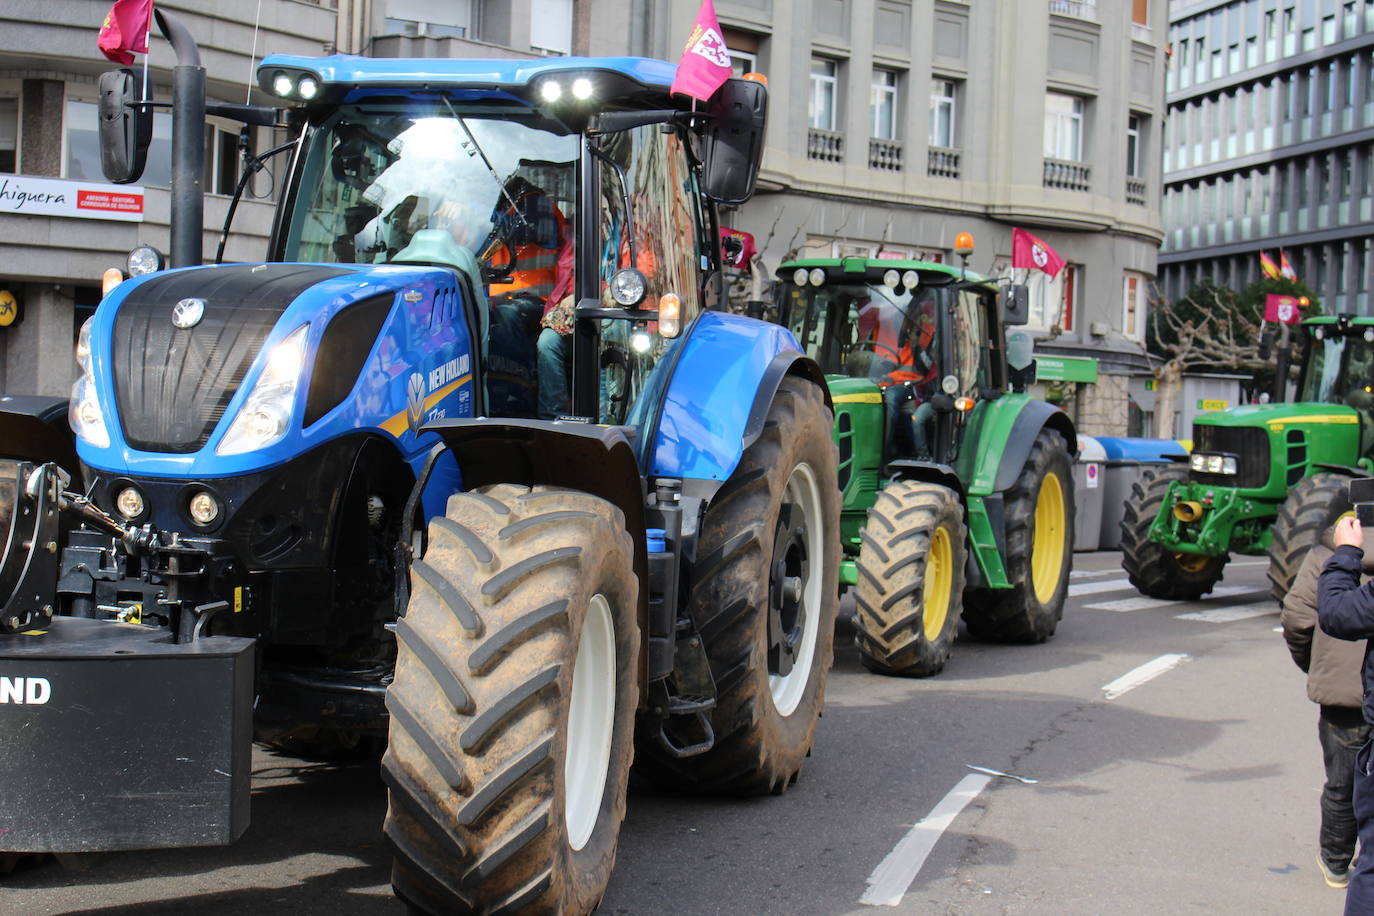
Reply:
x=23, y=194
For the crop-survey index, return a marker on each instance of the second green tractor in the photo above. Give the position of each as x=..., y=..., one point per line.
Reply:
x=957, y=484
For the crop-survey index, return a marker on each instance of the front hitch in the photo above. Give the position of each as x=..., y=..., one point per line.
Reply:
x=31, y=495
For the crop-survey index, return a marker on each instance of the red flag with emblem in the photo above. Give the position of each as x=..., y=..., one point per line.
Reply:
x=125, y=29
x=746, y=247
x=1029, y=251
x=705, y=62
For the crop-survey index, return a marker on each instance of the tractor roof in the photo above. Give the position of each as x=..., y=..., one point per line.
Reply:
x=871, y=270
x=1361, y=320
x=644, y=79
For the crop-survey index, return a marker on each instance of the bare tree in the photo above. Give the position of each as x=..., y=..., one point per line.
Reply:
x=1210, y=328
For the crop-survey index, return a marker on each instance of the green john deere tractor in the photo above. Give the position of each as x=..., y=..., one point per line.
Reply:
x=1262, y=479
x=957, y=485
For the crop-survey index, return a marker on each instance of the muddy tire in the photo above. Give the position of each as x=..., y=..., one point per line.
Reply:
x=513, y=705
x=1154, y=570
x=1313, y=505
x=1038, y=509
x=911, y=579
x=769, y=538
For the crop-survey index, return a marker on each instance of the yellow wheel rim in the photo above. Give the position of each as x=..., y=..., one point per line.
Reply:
x=939, y=581
x=1191, y=562
x=1047, y=550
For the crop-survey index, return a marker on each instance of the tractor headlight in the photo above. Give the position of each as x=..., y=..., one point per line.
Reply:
x=1198, y=463
x=799, y=276
x=130, y=503
x=266, y=413
x=628, y=287
x=1214, y=464
x=1229, y=465
x=816, y=276
x=204, y=508
x=891, y=278
x=86, y=418
x=308, y=87
x=144, y=259
x=911, y=279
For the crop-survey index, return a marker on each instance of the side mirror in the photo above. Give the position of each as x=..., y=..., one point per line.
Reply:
x=1020, y=359
x=1015, y=301
x=126, y=128
x=733, y=143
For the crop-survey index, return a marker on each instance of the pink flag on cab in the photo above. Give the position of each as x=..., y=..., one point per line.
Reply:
x=705, y=62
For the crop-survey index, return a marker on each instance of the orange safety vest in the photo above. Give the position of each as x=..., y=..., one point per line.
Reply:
x=536, y=267
x=907, y=359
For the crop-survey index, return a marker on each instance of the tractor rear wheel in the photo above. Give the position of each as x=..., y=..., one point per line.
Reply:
x=1314, y=504
x=1153, y=569
x=763, y=596
x=911, y=579
x=1039, y=524
x=512, y=709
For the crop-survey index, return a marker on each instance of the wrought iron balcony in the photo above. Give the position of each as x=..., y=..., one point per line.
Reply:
x=942, y=162
x=885, y=154
x=1067, y=176
x=824, y=145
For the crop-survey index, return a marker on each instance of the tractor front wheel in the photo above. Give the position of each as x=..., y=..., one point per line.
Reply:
x=1154, y=570
x=763, y=596
x=911, y=579
x=1039, y=525
x=1314, y=504
x=512, y=709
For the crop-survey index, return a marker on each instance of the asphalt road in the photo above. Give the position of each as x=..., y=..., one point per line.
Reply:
x=1191, y=791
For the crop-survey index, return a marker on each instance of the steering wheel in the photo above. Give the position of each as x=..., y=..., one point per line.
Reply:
x=874, y=345
x=497, y=273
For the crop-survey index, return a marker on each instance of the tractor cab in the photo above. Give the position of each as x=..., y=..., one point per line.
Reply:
x=914, y=336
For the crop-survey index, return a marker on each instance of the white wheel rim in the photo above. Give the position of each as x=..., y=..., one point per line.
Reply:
x=591, y=722
x=805, y=496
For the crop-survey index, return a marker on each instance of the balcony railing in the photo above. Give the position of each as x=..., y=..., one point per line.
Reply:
x=885, y=154
x=1067, y=176
x=1079, y=9
x=824, y=145
x=942, y=162
x=1135, y=191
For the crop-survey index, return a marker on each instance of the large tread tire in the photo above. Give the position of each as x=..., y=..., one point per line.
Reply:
x=1037, y=566
x=758, y=749
x=477, y=765
x=1314, y=504
x=1154, y=570
x=911, y=579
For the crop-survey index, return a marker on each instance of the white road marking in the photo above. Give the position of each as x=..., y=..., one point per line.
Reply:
x=1124, y=605
x=1092, y=588
x=894, y=874
x=1094, y=573
x=1229, y=614
x=1146, y=672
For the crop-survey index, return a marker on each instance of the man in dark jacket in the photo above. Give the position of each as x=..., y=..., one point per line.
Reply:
x=1333, y=682
x=1345, y=609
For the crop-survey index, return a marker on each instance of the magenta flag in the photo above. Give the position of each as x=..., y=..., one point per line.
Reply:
x=125, y=29
x=705, y=62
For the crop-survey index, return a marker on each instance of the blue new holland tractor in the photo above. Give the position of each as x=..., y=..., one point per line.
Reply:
x=467, y=467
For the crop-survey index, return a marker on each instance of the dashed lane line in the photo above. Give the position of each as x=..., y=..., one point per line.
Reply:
x=1143, y=674
x=894, y=874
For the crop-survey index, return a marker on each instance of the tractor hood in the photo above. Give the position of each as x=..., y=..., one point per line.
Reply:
x=214, y=371
x=1284, y=415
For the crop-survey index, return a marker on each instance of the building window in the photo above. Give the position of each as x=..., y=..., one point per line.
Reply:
x=551, y=25
x=450, y=18
x=882, y=103
x=1133, y=126
x=743, y=49
x=1063, y=127
x=821, y=109
x=9, y=134
x=223, y=162
x=942, y=103
x=1133, y=306
x=1140, y=12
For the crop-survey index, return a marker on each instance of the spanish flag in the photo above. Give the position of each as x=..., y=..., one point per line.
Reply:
x=1271, y=270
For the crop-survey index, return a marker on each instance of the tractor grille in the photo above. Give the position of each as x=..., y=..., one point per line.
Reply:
x=172, y=385
x=1249, y=445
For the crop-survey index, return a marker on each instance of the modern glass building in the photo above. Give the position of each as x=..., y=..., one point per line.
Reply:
x=1269, y=145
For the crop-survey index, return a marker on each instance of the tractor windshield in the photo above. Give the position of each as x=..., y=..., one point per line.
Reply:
x=486, y=183
x=867, y=330
x=1340, y=368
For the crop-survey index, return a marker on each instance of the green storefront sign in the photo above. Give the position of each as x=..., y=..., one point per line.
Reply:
x=1065, y=369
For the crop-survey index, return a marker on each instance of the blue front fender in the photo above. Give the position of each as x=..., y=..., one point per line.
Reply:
x=719, y=394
